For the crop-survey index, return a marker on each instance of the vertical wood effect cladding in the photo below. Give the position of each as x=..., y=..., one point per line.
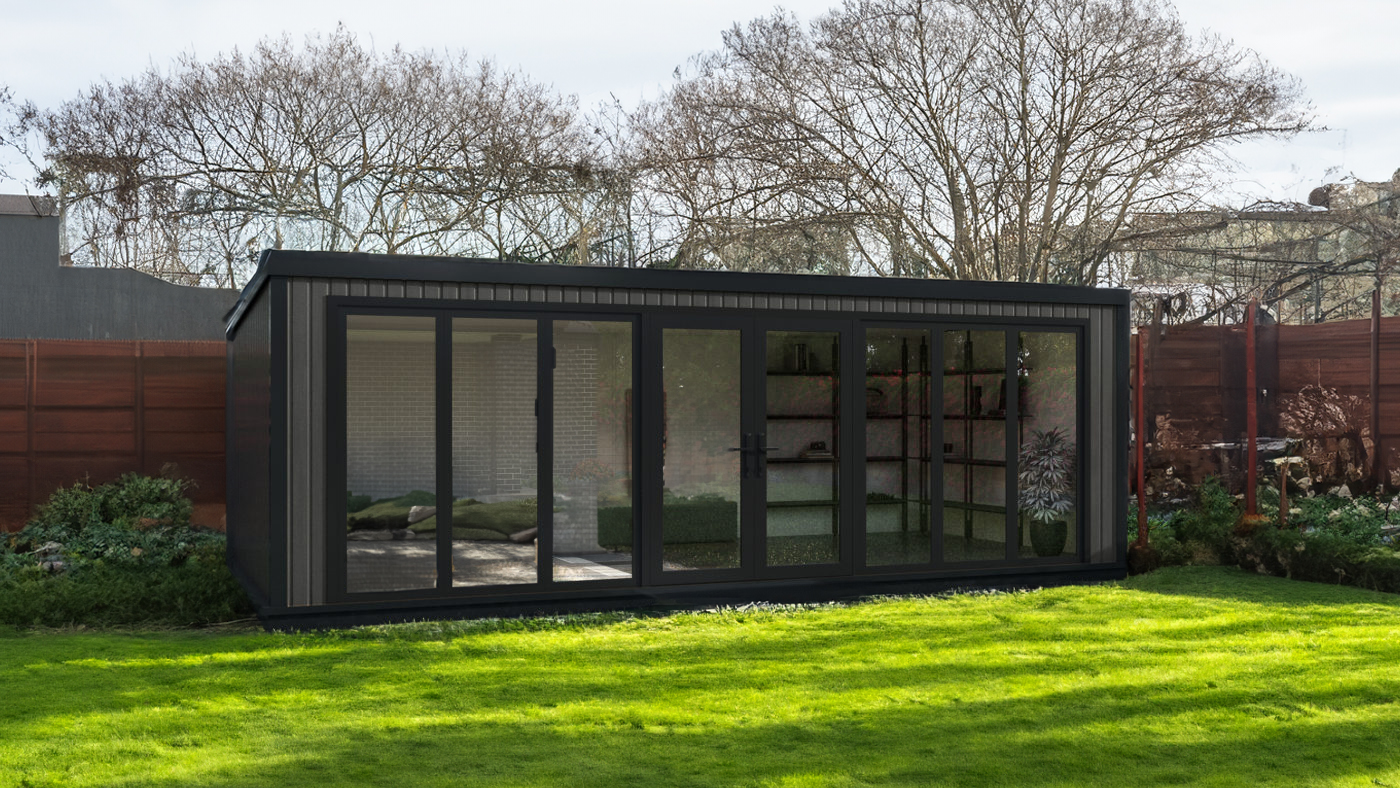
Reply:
x=306, y=395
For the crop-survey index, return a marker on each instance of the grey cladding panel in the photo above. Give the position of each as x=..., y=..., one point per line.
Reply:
x=298, y=439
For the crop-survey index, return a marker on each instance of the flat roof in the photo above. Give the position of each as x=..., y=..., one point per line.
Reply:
x=28, y=205
x=355, y=265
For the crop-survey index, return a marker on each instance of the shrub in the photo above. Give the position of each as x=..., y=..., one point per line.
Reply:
x=128, y=555
x=1209, y=525
x=194, y=593
x=355, y=503
x=131, y=501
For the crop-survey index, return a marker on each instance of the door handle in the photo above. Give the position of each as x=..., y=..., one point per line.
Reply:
x=761, y=449
x=743, y=448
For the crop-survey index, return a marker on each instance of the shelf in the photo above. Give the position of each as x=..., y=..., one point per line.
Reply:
x=801, y=504
x=975, y=507
x=970, y=461
x=828, y=504
x=978, y=417
x=877, y=458
x=910, y=501
x=874, y=417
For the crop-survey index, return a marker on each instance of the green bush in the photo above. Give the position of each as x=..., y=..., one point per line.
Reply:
x=133, y=500
x=196, y=592
x=126, y=554
x=1210, y=523
x=355, y=503
x=698, y=519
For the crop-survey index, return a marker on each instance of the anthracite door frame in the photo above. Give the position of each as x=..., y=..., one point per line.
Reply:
x=646, y=322
x=337, y=310
x=1011, y=330
x=752, y=330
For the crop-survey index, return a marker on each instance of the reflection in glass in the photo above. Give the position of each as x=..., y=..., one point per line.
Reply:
x=897, y=446
x=974, y=450
x=390, y=451
x=1048, y=436
x=494, y=477
x=592, y=450
x=801, y=435
x=700, y=374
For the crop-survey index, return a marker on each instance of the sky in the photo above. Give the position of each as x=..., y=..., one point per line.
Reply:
x=1342, y=50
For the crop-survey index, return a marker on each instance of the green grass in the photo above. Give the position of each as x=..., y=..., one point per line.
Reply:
x=1195, y=676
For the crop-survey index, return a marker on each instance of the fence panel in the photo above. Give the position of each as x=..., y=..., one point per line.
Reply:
x=1313, y=383
x=93, y=410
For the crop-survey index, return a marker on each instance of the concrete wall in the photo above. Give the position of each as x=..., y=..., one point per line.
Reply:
x=39, y=299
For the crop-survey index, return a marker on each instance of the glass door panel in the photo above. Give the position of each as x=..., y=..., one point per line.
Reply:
x=974, y=445
x=390, y=452
x=702, y=464
x=798, y=449
x=494, y=473
x=1048, y=430
x=592, y=515
x=898, y=462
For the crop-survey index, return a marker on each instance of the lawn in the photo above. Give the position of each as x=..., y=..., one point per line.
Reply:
x=1202, y=676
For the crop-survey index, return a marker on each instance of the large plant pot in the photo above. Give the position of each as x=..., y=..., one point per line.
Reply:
x=1048, y=539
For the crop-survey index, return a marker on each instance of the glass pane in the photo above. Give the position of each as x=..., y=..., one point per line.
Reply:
x=494, y=471
x=897, y=446
x=592, y=450
x=390, y=451
x=974, y=445
x=1048, y=433
x=700, y=373
x=802, y=524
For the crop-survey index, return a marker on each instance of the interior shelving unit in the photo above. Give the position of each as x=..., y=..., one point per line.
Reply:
x=833, y=436
x=912, y=407
x=964, y=424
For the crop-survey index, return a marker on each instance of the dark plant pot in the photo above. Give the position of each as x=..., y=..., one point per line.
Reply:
x=1048, y=539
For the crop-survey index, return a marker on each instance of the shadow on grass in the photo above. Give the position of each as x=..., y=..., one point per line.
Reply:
x=1234, y=584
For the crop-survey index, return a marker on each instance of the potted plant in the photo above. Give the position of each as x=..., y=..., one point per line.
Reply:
x=1046, y=488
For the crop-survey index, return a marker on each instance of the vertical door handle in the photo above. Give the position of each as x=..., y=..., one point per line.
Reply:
x=744, y=449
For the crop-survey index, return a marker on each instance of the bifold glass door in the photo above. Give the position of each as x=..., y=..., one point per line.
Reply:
x=511, y=451
x=749, y=434
x=455, y=428
x=971, y=440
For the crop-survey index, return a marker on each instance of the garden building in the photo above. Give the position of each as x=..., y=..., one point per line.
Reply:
x=411, y=437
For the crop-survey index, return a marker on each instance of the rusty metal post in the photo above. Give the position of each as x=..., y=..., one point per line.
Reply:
x=1251, y=412
x=1377, y=471
x=1283, y=493
x=1140, y=432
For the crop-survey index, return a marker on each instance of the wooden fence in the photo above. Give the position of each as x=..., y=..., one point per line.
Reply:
x=1313, y=383
x=92, y=410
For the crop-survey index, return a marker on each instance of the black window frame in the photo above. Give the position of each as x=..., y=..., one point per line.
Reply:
x=644, y=318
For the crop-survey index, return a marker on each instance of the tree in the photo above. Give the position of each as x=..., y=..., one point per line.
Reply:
x=188, y=173
x=969, y=139
x=1304, y=263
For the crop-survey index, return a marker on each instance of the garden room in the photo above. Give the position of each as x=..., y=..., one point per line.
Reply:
x=460, y=437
